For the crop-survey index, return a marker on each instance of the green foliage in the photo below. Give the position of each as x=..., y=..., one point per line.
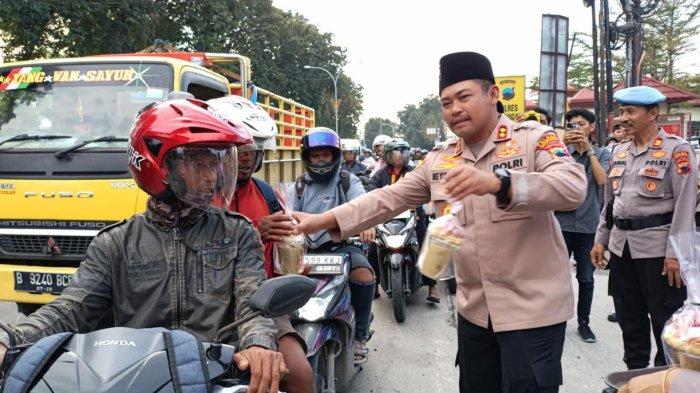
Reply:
x=372, y=129
x=416, y=119
x=278, y=43
x=668, y=36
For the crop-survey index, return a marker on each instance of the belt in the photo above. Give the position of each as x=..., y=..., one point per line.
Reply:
x=635, y=224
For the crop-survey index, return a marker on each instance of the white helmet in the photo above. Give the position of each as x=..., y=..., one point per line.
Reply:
x=381, y=139
x=256, y=120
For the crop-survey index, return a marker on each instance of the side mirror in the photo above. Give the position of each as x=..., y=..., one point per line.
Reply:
x=281, y=295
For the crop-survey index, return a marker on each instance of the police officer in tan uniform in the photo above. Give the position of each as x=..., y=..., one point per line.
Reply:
x=650, y=195
x=514, y=286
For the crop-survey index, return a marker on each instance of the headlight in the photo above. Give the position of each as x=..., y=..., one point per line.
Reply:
x=314, y=309
x=395, y=241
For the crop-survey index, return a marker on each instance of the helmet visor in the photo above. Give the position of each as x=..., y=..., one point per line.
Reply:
x=397, y=157
x=203, y=177
x=322, y=139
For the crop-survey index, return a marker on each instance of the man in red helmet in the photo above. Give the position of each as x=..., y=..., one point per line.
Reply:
x=186, y=263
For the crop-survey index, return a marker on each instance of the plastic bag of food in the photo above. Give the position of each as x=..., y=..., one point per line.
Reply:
x=681, y=334
x=444, y=236
x=289, y=252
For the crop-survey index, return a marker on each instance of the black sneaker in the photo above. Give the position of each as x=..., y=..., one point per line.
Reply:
x=586, y=334
x=612, y=317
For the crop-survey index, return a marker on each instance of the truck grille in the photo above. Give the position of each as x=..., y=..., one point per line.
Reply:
x=29, y=244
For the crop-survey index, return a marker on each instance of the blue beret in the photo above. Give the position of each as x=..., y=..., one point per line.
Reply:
x=638, y=95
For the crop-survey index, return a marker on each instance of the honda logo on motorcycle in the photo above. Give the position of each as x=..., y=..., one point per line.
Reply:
x=114, y=343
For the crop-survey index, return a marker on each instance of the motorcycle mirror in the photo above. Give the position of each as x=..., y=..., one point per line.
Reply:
x=282, y=295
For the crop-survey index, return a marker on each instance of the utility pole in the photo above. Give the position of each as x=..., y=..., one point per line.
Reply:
x=596, y=72
x=634, y=43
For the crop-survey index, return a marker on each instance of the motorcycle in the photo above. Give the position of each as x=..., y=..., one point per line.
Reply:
x=327, y=322
x=397, y=251
x=123, y=359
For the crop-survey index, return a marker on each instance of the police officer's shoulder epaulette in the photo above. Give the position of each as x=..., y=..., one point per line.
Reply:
x=238, y=215
x=111, y=226
x=678, y=138
x=531, y=125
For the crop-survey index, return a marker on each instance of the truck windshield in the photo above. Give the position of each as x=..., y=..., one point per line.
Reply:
x=83, y=101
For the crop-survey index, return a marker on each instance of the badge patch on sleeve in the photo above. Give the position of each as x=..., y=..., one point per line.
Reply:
x=682, y=162
x=552, y=144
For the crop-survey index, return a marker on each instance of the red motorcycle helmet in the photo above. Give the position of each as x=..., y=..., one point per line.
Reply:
x=167, y=129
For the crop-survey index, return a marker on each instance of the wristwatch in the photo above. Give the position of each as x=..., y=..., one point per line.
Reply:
x=502, y=196
x=590, y=152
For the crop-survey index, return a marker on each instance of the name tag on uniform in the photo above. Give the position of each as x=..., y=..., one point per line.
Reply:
x=437, y=175
x=514, y=163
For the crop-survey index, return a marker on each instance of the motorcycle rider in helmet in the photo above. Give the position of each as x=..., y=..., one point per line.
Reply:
x=255, y=199
x=396, y=154
x=350, y=162
x=378, y=147
x=143, y=268
x=367, y=159
x=322, y=191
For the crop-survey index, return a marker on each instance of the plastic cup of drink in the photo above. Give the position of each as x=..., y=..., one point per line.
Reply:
x=435, y=256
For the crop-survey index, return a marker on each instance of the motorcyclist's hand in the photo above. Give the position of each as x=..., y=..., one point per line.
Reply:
x=466, y=180
x=312, y=223
x=672, y=271
x=275, y=226
x=368, y=235
x=598, y=256
x=266, y=368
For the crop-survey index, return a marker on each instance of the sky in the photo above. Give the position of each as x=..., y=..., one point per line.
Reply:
x=393, y=47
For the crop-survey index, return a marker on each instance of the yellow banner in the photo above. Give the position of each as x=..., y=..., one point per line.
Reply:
x=512, y=94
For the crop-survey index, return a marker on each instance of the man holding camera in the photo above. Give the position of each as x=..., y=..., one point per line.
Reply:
x=579, y=226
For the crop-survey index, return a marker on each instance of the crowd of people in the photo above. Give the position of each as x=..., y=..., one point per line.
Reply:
x=531, y=200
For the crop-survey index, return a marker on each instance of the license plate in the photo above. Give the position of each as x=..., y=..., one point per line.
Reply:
x=53, y=283
x=324, y=264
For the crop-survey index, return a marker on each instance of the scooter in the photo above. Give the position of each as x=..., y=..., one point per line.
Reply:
x=397, y=250
x=142, y=360
x=327, y=322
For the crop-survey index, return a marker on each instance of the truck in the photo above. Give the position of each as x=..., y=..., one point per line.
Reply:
x=64, y=128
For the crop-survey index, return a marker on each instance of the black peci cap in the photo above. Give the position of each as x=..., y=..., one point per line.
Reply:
x=461, y=66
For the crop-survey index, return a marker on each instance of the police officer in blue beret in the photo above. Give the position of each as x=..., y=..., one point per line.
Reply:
x=650, y=195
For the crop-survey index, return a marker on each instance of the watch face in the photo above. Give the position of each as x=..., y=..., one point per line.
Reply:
x=500, y=172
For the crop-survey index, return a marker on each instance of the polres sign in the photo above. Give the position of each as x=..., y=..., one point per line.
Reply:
x=512, y=94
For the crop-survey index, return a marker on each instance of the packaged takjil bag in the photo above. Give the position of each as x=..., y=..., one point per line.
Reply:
x=289, y=252
x=444, y=236
x=681, y=335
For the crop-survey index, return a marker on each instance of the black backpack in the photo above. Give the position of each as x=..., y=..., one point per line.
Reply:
x=269, y=194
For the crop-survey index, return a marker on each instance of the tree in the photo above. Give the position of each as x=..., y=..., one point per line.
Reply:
x=415, y=120
x=278, y=43
x=373, y=127
x=668, y=36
